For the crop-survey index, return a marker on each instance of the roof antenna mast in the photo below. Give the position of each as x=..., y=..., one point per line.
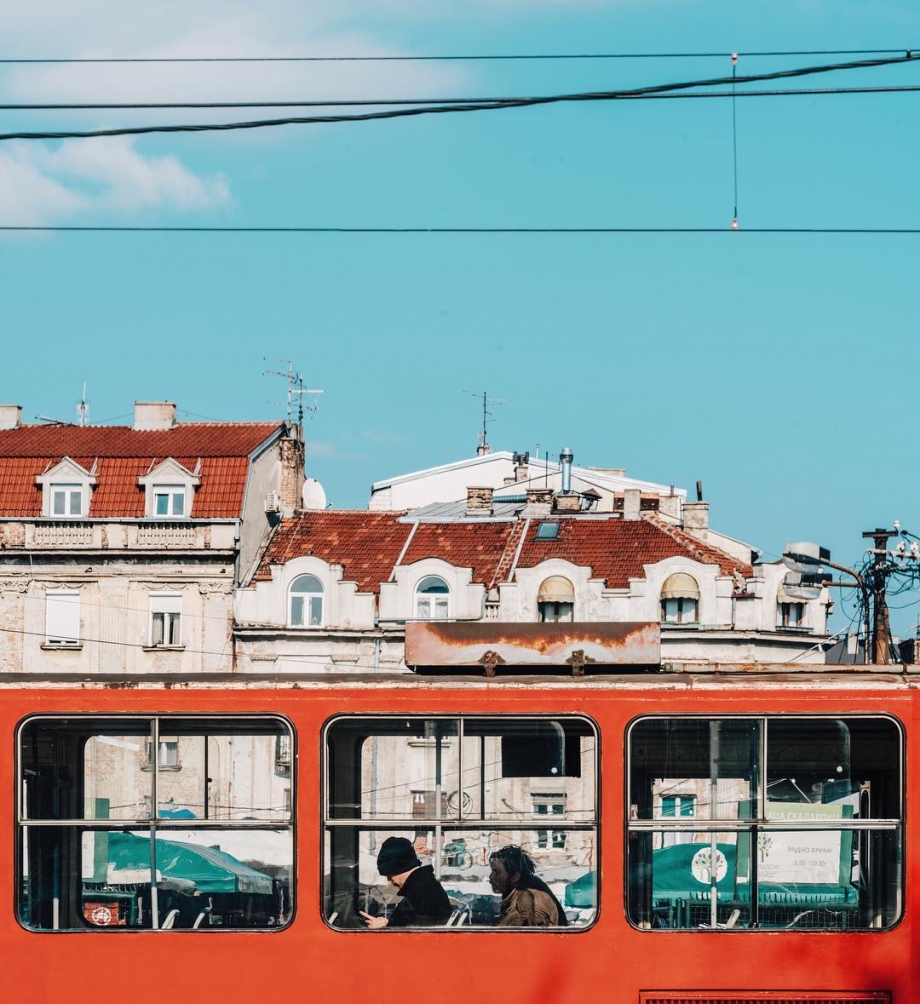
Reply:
x=83, y=408
x=483, y=448
x=295, y=388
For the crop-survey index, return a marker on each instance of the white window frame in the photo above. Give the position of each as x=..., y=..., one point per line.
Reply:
x=306, y=601
x=62, y=618
x=431, y=605
x=165, y=620
x=171, y=493
x=71, y=497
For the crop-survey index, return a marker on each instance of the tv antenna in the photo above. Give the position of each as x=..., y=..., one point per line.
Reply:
x=295, y=389
x=487, y=417
x=83, y=408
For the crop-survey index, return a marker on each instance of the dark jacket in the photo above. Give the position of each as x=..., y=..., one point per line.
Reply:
x=424, y=902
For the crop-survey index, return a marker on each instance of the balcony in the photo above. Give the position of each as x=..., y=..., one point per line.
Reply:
x=117, y=535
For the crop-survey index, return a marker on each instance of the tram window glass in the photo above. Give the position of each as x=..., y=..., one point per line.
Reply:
x=796, y=823
x=200, y=837
x=460, y=788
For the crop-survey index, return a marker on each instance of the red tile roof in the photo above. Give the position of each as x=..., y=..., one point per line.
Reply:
x=617, y=549
x=369, y=544
x=121, y=456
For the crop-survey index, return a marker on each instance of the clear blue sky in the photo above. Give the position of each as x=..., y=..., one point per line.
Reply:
x=778, y=369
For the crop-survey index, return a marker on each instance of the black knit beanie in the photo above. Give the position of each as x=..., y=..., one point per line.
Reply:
x=397, y=855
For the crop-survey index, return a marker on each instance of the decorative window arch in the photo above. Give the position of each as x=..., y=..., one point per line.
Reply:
x=305, y=602
x=680, y=599
x=556, y=599
x=432, y=598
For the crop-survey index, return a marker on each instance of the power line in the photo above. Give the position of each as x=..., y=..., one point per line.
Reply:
x=469, y=106
x=466, y=57
x=882, y=231
x=400, y=102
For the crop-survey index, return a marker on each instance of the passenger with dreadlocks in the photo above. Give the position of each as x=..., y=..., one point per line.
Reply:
x=526, y=899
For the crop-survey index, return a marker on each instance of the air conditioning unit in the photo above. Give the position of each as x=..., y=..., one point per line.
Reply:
x=273, y=502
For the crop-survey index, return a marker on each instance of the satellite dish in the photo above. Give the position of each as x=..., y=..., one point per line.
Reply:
x=314, y=497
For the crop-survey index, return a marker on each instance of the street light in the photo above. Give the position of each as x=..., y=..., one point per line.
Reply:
x=802, y=556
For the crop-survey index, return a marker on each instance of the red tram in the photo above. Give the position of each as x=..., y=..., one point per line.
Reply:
x=726, y=836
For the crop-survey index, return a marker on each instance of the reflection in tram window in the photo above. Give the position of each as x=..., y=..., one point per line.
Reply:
x=460, y=788
x=790, y=823
x=202, y=835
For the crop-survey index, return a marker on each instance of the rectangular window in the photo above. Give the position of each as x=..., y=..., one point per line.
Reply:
x=66, y=500
x=769, y=823
x=165, y=620
x=459, y=789
x=125, y=847
x=169, y=500
x=790, y=615
x=62, y=617
x=679, y=610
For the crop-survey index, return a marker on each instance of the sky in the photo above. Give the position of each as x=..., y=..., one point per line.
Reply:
x=777, y=369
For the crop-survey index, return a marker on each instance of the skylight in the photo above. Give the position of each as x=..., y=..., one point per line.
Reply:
x=548, y=530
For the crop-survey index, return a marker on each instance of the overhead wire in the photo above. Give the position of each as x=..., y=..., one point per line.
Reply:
x=561, y=230
x=468, y=106
x=443, y=57
x=399, y=102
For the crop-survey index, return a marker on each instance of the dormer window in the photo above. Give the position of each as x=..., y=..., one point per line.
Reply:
x=169, y=500
x=680, y=599
x=432, y=598
x=170, y=490
x=66, y=490
x=66, y=500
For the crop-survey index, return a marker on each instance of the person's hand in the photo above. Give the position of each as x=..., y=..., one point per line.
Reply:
x=374, y=923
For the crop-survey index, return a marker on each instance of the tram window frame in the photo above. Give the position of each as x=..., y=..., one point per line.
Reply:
x=231, y=830
x=848, y=768
x=467, y=824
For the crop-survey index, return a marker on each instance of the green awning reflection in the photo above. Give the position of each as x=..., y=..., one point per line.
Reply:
x=209, y=870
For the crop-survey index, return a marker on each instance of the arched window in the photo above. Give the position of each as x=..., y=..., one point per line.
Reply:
x=556, y=599
x=432, y=598
x=306, y=602
x=680, y=599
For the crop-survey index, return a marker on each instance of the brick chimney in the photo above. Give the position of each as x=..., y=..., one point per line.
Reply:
x=152, y=416
x=539, y=502
x=696, y=515
x=10, y=416
x=290, y=489
x=479, y=501
x=570, y=502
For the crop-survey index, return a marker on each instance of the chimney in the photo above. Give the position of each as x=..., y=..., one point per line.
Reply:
x=10, y=416
x=632, y=503
x=479, y=501
x=150, y=416
x=565, y=461
x=521, y=470
x=290, y=488
x=539, y=502
x=696, y=515
x=567, y=503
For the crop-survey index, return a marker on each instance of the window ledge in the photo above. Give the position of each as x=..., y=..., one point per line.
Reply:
x=163, y=648
x=49, y=646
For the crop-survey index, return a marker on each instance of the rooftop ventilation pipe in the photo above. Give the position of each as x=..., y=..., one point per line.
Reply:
x=565, y=459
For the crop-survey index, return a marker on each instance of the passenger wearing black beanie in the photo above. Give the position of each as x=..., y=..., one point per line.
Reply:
x=424, y=902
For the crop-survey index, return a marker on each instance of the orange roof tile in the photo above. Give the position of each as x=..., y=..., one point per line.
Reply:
x=121, y=456
x=369, y=544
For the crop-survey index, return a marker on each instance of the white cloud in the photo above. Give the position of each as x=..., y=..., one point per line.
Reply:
x=41, y=186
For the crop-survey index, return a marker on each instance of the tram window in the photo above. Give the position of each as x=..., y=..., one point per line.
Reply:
x=200, y=839
x=797, y=823
x=459, y=789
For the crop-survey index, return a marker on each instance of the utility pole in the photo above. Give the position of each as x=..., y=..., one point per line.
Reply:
x=881, y=643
